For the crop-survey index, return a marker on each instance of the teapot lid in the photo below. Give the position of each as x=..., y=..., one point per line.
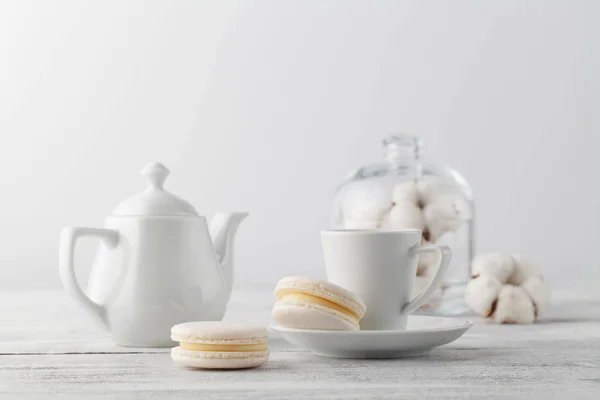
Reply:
x=155, y=200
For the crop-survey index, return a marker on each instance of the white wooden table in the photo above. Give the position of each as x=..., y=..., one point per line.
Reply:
x=49, y=348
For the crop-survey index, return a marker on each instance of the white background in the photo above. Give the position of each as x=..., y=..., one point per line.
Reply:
x=264, y=106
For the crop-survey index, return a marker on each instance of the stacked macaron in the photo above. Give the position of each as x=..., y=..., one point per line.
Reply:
x=220, y=345
x=303, y=303
x=306, y=303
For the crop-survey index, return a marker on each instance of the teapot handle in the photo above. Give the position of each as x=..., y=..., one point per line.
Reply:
x=68, y=239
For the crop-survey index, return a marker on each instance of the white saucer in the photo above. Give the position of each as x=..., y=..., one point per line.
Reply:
x=422, y=334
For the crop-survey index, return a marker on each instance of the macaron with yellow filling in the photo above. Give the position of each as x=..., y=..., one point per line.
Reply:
x=306, y=303
x=220, y=345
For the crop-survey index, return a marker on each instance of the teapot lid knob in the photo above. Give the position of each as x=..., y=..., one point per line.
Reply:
x=155, y=200
x=155, y=174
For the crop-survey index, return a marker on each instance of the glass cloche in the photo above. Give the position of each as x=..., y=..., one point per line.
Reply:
x=403, y=192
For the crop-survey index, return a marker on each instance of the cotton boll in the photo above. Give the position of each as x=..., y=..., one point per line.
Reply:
x=481, y=294
x=523, y=295
x=460, y=207
x=513, y=306
x=539, y=293
x=498, y=265
x=524, y=269
x=404, y=215
x=430, y=189
x=446, y=214
x=419, y=192
x=406, y=192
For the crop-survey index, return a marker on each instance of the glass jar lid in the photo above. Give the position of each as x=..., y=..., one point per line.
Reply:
x=155, y=200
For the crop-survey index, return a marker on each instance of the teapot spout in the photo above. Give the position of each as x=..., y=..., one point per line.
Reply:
x=223, y=228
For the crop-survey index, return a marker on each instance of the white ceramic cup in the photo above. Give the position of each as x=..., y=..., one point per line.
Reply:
x=380, y=266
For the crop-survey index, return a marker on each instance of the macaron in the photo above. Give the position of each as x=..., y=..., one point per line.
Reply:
x=306, y=303
x=220, y=345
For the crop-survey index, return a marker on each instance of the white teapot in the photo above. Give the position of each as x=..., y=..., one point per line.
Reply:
x=155, y=267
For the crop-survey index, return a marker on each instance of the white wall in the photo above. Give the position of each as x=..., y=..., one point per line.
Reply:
x=265, y=105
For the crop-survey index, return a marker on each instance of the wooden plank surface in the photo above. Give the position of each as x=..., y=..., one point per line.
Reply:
x=48, y=348
x=50, y=322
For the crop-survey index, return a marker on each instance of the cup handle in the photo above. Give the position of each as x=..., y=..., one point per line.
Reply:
x=68, y=240
x=444, y=255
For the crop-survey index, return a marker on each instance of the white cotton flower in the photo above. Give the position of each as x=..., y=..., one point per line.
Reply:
x=406, y=191
x=539, y=292
x=481, y=294
x=403, y=215
x=444, y=208
x=524, y=269
x=499, y=265
x=422, y=191
x=430, y=189
x=522, y=295
x=514, y=306
x=446, y=214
